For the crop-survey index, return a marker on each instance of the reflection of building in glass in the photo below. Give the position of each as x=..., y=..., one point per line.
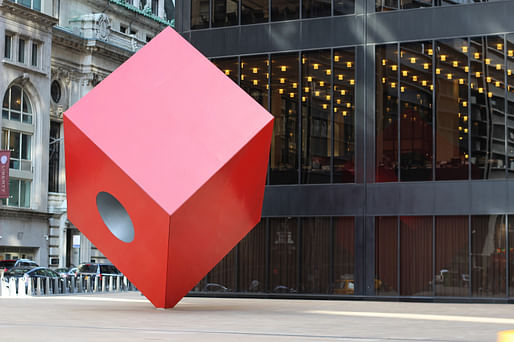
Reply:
x=393, y=144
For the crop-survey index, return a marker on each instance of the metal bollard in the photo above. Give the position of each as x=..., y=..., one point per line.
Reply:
x=47, y=286
x=12, y=287
x=81, y=284
x=111, y=282
x=56, y=286
x=88, y=284
x=95, y=288
x=30, y=287
x=21, y=287
x=72, y=284
x=125, y=284
x=38, y=283
x=118, y=283
x=104, y=283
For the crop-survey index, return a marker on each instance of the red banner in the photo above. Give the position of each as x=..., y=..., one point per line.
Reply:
x=4, y=173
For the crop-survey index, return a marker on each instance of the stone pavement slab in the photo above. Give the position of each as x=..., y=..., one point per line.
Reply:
x=130, y=317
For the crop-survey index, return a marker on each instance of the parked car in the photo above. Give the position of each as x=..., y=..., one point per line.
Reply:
x=67, y=272
x=6, y=265
x=97, y=270
x=26, y=273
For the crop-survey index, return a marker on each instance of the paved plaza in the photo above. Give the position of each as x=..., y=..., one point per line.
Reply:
x=130, y=317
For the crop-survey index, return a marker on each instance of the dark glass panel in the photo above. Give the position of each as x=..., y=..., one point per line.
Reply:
x=452, y=109
x=316, y=8
x=225, y=13
x=344, y=7
x=451, y=256
x=510, y=106
x=15, y=98
x=199, y=14
x=222, y=277
x=406, y=4
x=487, y=108
x=252, y=260
x=26, y=147
x=416, y=111
x=7, y=46
x=15, y=144
x=14, y=193
x=386, y=149
x=54, y=155
x=283, y=255
x=386, y=5
x=254, y=78
x=315, y=262
x=5, y=103
x=344, y=255
x=284, y=10
x=34, y=56
x=284, y=106
x=229, y=66
x=316, y=117
x=254, y=11
x=36, y=4
x=488, y=262
x=511, y=255
x=386, y=255
x=416, y=255
x=21, y=50
x=344, y=115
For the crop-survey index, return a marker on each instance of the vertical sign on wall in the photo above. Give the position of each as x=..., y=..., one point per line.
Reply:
x=4, y=173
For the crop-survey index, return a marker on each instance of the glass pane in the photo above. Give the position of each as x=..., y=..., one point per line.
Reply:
x=26, y=146
x=34, y=55
x=488, y=243
x=416, y=255
x=7, y=46
x=15, y=116
x=254, y=11
x=53, y=159
x=386, y=255
x=14, y=144
x=222, y=276
x=27, y=118
x=283, y=255
x=284, y=106
x=406, y=4
x=487, y=108
x=24, y=2
x=5, y=114
x=21, y=50
x=5, y=139
x=316, y=117
x=36, y=4
x=386, y=149
x=15, y=98
x=252, y=260
x=199, y=14
x=254, y=78
x=25, y=165
x=316, y=234
x=27, y=108
x=511, y=255
x=386, y=5
x=25, y=194
x=344, y=255
x=344, y=115
x=510, y=106
x=452, y=256
x=344, y=7
x=14, y=193
x=228, y=66
x=316, y=8
x=416, y=126
x=284, y=10
x=452, y=109
x=224, y=13
x=5, y=103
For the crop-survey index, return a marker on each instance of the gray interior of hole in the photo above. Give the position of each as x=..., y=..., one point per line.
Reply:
x=115, y=216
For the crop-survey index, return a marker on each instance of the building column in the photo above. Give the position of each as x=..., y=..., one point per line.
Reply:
x=62, y=239
x=160, y=11
x=85, y=249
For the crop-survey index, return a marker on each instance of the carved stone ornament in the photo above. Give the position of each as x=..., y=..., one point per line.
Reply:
x=103, y=27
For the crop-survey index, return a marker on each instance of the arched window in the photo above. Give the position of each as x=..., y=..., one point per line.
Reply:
x=17, y=133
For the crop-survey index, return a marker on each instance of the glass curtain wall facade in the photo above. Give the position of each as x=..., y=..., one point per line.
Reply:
x=392, y=156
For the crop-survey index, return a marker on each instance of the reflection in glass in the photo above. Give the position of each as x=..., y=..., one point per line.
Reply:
x=229, y=66
x=252, y=260
x=222, y=277
x=225, y=13
x=284, y=106
x=315, y=255
x=415, y=255
x=316, y=117
x=386, y=5
x=488, y=262
x=487, y=107
x=452, y=109
x=452, y=256
x=511, y=255
x=284, y=10
x=283, y=255
x=14, y=193
x=386, y=113
x=25, y=193
x=254, y=11
x=344, y=255
x=316, y=8
x=406, y=4
x=344, y=7
x=416, y=94
x=199, y=14
x=254, y=78
x=344, y=115
x=510, y=106
x=386, y=255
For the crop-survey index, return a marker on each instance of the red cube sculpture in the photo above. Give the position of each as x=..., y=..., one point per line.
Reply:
x=166, y=163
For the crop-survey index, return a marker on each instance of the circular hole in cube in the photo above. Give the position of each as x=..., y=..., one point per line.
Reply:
x=115, y=216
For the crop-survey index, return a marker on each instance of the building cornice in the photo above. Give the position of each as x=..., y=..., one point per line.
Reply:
x=27, y=14
x=23, y=213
